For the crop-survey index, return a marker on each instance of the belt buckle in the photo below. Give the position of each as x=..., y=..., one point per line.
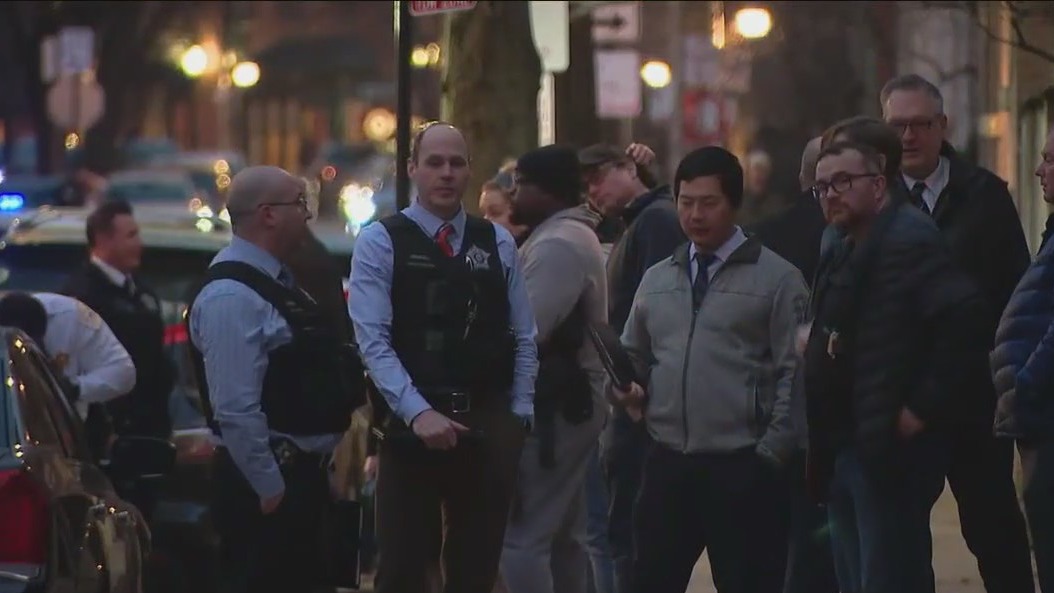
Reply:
x=460, y=402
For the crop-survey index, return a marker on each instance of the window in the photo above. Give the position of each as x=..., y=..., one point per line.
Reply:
x=171, y=273
x=31, y=392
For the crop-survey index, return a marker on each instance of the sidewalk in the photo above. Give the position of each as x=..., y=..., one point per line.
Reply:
x=954, y=566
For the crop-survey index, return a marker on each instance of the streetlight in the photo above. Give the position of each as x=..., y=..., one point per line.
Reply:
x=656, y=74
x=245, y=74
x=194, y=61
x=753, y=23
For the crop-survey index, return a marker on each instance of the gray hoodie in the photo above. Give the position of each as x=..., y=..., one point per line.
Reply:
x=563, y=262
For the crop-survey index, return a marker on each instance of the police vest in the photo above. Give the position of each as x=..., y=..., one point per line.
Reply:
x=450, y=315
x=314, y=382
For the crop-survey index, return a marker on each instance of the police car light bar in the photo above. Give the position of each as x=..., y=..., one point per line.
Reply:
x=9, y=202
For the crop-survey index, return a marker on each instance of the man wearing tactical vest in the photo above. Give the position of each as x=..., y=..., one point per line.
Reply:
x=278, y=386
x=445, y=329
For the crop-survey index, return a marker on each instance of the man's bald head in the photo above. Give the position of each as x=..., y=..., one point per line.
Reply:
x=809, y=156
x=435, y=132
x=439, y=168
x=254, y=186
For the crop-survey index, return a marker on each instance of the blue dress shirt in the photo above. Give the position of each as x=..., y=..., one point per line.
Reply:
x=370, y=307
x=235, y=329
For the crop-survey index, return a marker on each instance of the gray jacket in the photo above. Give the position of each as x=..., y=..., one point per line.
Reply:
x=563, y=262
x=722, y=379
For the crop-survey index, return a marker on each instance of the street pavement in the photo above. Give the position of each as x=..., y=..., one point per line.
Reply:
x=954, y=566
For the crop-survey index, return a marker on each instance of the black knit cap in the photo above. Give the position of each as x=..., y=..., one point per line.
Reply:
x=553, y=169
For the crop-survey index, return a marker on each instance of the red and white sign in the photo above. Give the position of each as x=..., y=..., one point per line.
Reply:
x=707, y=118
x=424, y=8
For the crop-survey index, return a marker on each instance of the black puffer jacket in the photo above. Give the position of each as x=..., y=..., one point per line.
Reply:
x=910, y=320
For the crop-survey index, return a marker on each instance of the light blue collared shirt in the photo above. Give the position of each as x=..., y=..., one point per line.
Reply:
x=721, y=255
x=235, y=329
x=370, y=307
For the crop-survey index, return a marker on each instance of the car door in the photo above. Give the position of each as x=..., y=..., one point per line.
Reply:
x=119, y=522
x=92, y=540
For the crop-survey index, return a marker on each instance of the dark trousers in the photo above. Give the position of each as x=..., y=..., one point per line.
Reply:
x=810, y=560
x=624, y=446
x=1038, y=465
x=459, y=497
x=734, y=506
x=981, y=476
x=880, y=517
x=280, y=552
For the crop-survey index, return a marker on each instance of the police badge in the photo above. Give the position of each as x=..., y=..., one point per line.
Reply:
x=477, y=259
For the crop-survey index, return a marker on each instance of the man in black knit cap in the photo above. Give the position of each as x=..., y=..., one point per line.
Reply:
x=563, y=267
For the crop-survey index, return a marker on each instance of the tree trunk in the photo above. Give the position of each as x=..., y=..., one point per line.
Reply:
x=492, y=82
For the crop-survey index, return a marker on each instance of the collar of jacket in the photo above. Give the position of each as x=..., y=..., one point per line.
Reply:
x=747, y=253
x=643, y=201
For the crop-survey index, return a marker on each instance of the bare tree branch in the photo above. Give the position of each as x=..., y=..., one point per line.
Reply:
x=1017, y=13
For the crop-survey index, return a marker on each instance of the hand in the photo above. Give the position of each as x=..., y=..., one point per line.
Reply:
x=632, y=400
x=908, y=424
x=633, y=396
x=369, y=467
x=802, y=338
x=270, y=504
x=640, y=154
x=436, y=430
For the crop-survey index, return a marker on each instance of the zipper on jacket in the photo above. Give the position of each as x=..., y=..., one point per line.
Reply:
x=684, y=377
x=688, y=352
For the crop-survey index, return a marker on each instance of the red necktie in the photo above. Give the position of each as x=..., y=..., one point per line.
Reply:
x=443, y=239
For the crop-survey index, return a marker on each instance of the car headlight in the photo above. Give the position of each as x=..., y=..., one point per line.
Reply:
x=356, y=201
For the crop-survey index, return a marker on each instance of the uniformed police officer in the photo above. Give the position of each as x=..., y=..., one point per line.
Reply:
x=80, y=346
x=278, y=388
x=77, y=342
x=445, y=329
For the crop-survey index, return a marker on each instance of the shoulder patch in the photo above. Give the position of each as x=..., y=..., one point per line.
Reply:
x=88, y=317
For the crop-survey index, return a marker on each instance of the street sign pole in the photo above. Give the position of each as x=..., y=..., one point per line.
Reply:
x=404, y=39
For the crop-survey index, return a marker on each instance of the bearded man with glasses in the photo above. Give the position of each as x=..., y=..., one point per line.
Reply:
x=891, y=315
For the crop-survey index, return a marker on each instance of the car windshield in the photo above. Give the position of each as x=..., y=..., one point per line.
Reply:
x=171, y=273
x=149, y=192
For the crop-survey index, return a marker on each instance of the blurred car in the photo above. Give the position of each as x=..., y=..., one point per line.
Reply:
x=341, y=168
x=210, y=171
x=41, y=251
x=139, y=151
x=19, y=192
x=144, y=186
x=63, y=526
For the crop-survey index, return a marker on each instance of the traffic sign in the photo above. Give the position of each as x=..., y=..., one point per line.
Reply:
x=75, y=103
x=618, y=85
x=77, y=49
x=425, y=8
x=617, y=23
x=552, y=35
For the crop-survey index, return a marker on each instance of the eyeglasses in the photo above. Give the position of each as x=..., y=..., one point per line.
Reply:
x=840, y=183
x=915, y=125
x=300, y=201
